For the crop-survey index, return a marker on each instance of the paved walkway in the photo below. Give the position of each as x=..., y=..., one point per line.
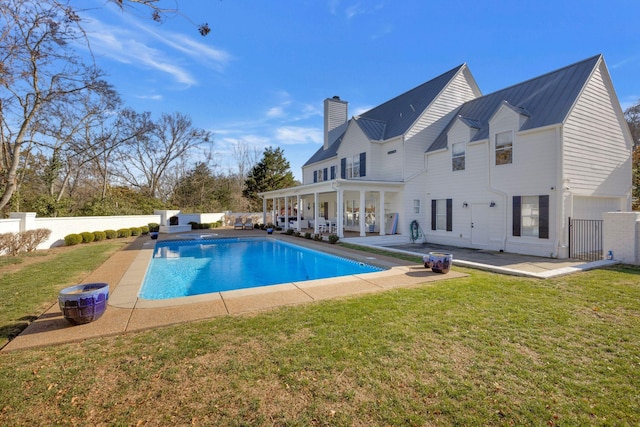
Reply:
x=125, y=270
x=498, y=262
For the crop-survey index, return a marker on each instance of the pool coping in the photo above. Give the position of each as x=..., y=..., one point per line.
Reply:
x=127, y=313
x=125, y=295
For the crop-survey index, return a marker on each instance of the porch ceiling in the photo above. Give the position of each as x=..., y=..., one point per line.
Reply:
x=334, y=185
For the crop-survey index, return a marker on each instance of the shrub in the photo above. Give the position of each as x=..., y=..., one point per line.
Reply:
x=318, y=237
x=72, y=239
x=135, y=231
x=333, y=238
x=204, y=226
x=99, y=236
x=111, y=234
x=194, y=225
x=11, y=243
x=144, y=229
x=289, y=231
x=124, y=232
x=30, y=239
x=153, y=226
x=297, y=234
x=4, y=242
x=307, y=235
x=87, y=237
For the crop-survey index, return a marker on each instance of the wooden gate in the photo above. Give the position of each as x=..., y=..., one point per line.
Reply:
x=585, y=239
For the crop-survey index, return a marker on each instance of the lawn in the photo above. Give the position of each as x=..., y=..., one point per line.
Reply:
x=483, y=350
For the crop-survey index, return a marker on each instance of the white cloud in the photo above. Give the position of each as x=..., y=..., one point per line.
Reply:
x=293, y=135
x=355, y=10
x=164, y=51
x=275, y=112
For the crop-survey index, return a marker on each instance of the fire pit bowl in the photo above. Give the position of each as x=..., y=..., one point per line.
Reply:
x=83, y=303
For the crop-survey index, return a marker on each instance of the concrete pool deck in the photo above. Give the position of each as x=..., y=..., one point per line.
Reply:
x=125, y=270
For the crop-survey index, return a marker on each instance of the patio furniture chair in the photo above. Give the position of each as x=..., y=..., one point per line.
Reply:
x=248, y=224
x=238, y=225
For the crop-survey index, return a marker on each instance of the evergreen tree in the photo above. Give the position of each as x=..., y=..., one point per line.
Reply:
x=272, y=172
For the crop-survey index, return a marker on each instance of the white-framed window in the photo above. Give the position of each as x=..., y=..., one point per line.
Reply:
x=319, y=175
x=504, y=148
x=457, y=156
x=441, y=214
x=353, y=166
x=416, y=206
x=530, y=216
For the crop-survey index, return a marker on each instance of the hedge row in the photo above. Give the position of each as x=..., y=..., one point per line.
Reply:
x=96, y=236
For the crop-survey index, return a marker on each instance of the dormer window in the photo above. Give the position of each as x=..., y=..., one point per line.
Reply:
x=504, y=148
x=458, y=156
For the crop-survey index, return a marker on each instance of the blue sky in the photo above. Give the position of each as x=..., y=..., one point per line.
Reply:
x=261, y=75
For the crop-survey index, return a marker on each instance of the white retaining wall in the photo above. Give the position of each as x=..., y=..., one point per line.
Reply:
x=63, y=226
x=11, y=225
x=621, y=236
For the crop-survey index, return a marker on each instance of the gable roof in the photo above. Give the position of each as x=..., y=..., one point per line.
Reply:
x=546, y=100
x=396, y=116
x=322, y=154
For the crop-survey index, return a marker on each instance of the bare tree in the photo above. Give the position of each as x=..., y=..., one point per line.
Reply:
x=38, y=68
x=159, y=11
x=146, y=160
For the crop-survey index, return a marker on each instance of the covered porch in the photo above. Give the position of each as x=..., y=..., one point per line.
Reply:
x=336, y=207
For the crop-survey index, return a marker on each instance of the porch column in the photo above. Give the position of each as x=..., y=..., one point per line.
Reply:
x=298, y=228
x=286, y=212
x=274, y=212
x=381, y=221
x=361, y=214
x=316, y=212
x=340, y=212
x=264, y=210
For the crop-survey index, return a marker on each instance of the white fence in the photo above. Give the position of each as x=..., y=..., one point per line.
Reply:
x=63, y=226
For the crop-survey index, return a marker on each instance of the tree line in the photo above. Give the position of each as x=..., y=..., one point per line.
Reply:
x=68, y=145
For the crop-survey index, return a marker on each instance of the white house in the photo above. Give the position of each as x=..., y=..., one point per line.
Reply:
x=448, y=165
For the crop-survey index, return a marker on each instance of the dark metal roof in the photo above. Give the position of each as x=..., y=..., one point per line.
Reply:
x=392, y=118
x=545, y=100
x=401, y=112
x=323, y=154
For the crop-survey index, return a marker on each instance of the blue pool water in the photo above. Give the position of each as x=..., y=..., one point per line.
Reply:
x=184, y=268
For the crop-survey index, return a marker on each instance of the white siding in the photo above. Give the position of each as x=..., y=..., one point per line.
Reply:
x=426, y=129
x=597, y=158
x=355, y=142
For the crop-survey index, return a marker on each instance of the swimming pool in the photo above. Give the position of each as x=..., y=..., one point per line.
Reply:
x=185, y=268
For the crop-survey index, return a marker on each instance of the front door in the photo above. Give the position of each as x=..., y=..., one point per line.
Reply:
x=480, y=225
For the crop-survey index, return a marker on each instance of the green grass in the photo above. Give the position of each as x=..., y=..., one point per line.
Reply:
x=26, y=293
x=483, y=350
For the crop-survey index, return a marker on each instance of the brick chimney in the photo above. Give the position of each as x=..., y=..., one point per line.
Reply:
x=335, y=118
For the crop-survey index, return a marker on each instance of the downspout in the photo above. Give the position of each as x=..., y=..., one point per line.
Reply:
x=499, y=192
